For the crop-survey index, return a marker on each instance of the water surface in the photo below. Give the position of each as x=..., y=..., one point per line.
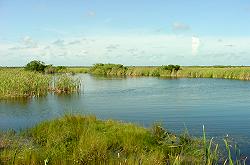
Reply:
x=223, y=106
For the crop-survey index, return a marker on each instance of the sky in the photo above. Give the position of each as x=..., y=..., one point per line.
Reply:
x=129, y=32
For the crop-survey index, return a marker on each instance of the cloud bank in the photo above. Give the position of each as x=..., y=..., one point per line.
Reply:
x=195, y=45
x=128, y=50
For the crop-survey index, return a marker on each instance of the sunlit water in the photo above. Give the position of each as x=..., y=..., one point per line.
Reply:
x=223, y=106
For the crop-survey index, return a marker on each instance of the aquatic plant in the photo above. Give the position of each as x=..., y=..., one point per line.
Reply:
x=87, y=140
x=20, y=83
x=230, y=72
x=66, y=84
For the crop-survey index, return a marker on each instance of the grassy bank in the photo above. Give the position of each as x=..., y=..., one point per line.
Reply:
x=86, y=140
x=227, y=72
x=21, y=83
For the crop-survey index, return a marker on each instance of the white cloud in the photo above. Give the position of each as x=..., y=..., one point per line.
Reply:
x=129, y=50
x=29, y=42
x=58, y=42
x=178, y=26
x=195, y=45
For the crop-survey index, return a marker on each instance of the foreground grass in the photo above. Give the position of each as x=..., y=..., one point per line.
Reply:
x=20, y=83
x=86, y=140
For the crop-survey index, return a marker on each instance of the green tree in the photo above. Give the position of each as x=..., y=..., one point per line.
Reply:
x=36, y=66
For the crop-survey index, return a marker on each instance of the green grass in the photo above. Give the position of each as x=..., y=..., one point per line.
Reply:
x=87, y=140
x=75, y=70
x=16, y=83
x=226, y=72
x=66, y=84
x=20, y=83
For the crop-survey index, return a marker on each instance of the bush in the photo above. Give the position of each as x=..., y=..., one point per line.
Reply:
x=36, y=66
x=108, y=69
x=171, y=67
x=40, y=66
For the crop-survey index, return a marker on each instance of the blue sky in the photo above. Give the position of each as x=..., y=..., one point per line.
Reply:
x=132, y=32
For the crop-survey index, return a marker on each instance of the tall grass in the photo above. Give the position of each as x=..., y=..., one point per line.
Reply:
x=241, y=73
x=76, y=70
x=19, y=83
x=87, y=140
x=66, y=84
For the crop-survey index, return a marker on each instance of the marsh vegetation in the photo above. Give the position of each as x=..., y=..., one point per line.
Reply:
x=226, y=72
x=87, y=140
x=21, y=83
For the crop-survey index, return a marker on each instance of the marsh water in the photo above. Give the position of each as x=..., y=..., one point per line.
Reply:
x=223, y=106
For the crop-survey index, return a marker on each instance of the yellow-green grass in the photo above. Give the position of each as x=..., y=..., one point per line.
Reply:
x=87, y=140
x=76, y=70
x=240, y=73
x=66, y=84
x=20, y=83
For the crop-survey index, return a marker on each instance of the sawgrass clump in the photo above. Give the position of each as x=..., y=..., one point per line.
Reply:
x=87, y=140
x=20, y=83
x=16, y=83
x=66, y=84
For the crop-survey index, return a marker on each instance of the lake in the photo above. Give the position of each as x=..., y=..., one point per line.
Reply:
x=223, y=106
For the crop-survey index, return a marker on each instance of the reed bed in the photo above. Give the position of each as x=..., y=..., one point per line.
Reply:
x=240, y=73
x=226, y=72
x=16, y=83
x=87, y=140
x=19, y=83
x=66, y=84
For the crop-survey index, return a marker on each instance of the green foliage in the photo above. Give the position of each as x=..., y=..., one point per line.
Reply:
x=87, y=140
x=50, y=69
x=66, y=84
x=108, y=69
x=40, y=66
x=20, y=83
x=170, y=67
x=36, y=66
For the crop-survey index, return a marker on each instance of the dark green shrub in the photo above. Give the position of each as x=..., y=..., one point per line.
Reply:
x=108, y=69
x=36, y=66
x=171, y=67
